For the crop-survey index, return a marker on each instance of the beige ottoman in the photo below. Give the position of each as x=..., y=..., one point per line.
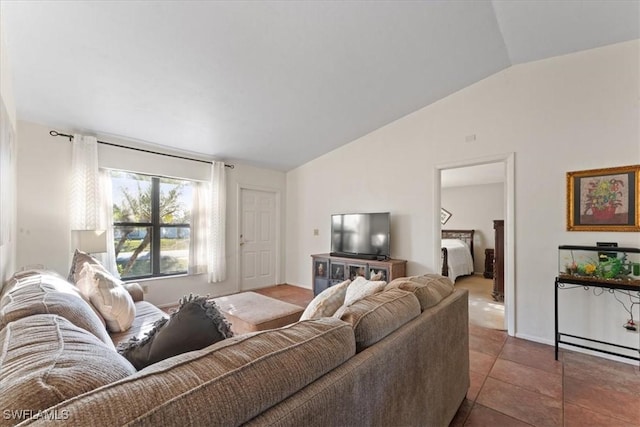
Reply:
x=250, y=312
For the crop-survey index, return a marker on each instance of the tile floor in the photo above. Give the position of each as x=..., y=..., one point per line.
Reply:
x=515, y=382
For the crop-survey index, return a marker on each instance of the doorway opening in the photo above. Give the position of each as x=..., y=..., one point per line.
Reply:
x=476, y=193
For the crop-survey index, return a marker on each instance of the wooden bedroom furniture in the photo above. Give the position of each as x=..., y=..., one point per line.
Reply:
x=488, y=263
x=464, y=235
x=330, y=270
x=498, y=264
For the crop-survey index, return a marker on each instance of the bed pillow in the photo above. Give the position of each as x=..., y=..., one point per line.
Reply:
x=326, y=302
x=198, y=323
x=107, y=295
x=361, y=288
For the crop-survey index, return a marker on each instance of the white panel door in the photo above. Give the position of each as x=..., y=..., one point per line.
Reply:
x=258, y=239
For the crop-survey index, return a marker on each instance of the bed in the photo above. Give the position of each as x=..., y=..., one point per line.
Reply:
x=457, y=253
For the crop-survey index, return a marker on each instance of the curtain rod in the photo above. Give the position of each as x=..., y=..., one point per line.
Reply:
x=56, y=133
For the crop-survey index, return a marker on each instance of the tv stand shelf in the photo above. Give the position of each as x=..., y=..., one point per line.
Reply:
x=328, y=270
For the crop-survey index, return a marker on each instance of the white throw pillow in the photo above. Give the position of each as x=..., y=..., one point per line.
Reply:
x=108, y=296
x=361, y=288
x=326, y=302
x=376, y=276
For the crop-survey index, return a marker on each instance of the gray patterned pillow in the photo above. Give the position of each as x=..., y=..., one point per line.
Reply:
x=78, y=261
x=198, y=323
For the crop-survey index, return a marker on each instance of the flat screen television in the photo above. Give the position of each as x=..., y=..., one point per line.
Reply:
x=361, y=235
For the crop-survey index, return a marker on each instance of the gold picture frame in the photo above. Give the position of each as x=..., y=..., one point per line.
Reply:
x=603, y=199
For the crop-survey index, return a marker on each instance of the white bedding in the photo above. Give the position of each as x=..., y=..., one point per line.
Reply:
x=459, y=258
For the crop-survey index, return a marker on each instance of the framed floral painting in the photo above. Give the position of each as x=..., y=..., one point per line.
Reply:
x=603, y=199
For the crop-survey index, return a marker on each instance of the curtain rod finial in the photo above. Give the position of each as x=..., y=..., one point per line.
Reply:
x=56, y=133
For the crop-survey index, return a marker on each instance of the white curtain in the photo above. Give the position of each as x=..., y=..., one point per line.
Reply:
x=200, y=218
x=91, y=207
x=85, y=192
x=217, y=258
x=106, y=221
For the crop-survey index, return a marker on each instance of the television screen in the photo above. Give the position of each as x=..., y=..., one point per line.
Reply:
x=365, y=234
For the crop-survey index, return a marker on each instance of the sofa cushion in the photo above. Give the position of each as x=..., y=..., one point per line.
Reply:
x=430, y=289
x=48, y=293
x=45, y=359
x=327, y=302
x=196, y=324
x=19, y=276
x=147, y=315
x=135, y=290
x=262, y=369
x=361, y=288
x=378, y=315
x=107, y=295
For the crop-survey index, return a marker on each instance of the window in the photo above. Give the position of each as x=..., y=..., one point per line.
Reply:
x=151, y=221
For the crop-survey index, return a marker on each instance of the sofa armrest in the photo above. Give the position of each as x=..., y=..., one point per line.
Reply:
x=135, y=290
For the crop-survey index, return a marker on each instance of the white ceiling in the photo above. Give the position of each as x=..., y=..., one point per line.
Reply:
x=275, y=84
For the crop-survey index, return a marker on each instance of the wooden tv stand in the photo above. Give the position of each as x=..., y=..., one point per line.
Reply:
x=328, y=270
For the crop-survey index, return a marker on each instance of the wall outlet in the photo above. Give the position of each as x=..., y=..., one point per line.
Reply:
x=145, y=289
x=316, y=232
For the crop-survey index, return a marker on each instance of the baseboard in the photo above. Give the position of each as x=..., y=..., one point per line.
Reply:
x=297, y=286
x=536, y=339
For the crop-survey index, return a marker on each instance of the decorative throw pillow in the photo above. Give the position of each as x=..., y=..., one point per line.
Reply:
x=78, y=261
x=198, y=323
x=376, y=276
x=326, y=302
x=107, y=295
x=361, y=288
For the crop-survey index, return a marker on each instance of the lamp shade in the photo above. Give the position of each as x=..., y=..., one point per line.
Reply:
x=90, y=241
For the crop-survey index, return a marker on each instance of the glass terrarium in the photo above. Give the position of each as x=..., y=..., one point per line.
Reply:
x=600, y=264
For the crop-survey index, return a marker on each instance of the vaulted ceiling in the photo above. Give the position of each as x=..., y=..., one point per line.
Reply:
x=275, y=83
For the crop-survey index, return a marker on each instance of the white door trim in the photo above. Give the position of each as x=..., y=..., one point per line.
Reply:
x=509, y=233
x=278, y=236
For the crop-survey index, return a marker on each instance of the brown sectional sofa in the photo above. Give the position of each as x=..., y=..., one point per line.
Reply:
x=399, y=357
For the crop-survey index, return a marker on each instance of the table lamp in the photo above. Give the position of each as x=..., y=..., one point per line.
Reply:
x=90, y=241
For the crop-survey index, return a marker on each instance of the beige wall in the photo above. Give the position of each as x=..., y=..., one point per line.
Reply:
x=573, y=112
x=43, y=220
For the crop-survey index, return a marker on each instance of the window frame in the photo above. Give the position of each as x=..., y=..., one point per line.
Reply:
x=155, y=225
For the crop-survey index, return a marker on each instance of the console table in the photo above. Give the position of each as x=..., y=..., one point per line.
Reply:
x=562, y=283
x=331, y=270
